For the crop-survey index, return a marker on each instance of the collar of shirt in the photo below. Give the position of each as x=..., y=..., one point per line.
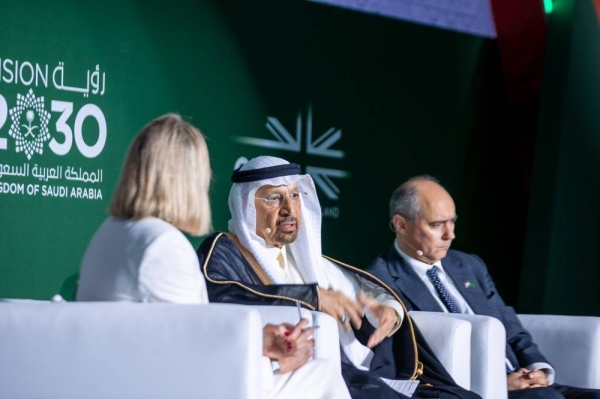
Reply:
x=419, y=267
x=289, y=272
x=274, y=254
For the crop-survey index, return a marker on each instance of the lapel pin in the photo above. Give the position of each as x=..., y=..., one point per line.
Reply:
x=469, y=284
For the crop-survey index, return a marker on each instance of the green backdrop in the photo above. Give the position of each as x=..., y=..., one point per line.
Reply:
x=560, y=268
x=360, y=101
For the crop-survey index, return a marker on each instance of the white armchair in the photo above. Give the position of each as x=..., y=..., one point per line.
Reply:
x=564, y=340
x=109, y=350
x=488, y=351
x=450, y=340
x=117, y=349
x=568, y=341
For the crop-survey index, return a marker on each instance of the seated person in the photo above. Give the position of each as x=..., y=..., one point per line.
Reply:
x=272, y=255
x=432, y=277
x=139, y=253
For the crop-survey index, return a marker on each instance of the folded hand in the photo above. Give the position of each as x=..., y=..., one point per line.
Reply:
x=524, y=378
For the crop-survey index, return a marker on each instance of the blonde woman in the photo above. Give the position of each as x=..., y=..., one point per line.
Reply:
x=140, y=254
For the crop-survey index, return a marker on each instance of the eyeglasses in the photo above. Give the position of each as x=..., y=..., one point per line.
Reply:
x=277, y=200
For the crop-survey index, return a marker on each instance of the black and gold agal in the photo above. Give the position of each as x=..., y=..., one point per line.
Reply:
x=270, y=172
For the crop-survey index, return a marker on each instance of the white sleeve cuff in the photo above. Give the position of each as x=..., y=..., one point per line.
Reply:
x=381, y=295
x=548, y=369
x=399, y=312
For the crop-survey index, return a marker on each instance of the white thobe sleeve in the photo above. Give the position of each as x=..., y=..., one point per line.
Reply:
x=384, y=297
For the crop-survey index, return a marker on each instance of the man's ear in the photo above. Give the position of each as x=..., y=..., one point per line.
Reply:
x=399, y=223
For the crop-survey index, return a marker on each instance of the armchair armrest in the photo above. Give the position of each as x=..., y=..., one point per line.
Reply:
x=327, y=339
x=450, y=340
x=98, y=350
x=567, y=341
x=281, y=314
x=488, y=353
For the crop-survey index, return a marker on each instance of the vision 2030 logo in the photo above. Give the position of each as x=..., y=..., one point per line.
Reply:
x=30, y=126
x=320, y=146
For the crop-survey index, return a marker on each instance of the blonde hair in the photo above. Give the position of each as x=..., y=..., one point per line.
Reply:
x=166, y=175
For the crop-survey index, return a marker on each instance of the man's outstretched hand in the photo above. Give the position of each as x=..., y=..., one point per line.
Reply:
x=336, y=304
x=386, y=315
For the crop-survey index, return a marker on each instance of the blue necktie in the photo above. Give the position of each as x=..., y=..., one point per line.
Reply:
x=441, y=290
x=446, y=298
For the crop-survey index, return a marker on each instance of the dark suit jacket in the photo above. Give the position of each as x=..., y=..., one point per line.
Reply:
x=483, y=297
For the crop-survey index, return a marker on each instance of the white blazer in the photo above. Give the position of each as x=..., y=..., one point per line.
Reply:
x=146, y=260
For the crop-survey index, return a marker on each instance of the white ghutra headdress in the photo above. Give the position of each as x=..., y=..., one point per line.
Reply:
x=306, y=249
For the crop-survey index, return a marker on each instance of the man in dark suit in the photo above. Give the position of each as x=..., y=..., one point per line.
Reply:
x=432, y=277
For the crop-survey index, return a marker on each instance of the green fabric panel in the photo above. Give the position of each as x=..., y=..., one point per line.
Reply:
x=408, y=100
x=560, y=270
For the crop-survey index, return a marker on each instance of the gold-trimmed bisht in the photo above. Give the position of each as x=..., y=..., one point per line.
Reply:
x=418, y=368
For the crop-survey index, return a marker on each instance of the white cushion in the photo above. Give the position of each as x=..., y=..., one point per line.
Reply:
x=488, y=353
x=571, y=344
x=327, y=339
x=450, y=340
x=129, y=350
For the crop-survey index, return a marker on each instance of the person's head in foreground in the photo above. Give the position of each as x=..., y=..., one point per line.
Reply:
x=166, y=175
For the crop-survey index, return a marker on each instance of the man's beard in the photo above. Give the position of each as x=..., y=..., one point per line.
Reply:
x=284, y=238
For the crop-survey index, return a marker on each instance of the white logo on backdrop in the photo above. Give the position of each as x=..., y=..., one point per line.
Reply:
x=31, y=130
x=321, y=146
x=35, y=112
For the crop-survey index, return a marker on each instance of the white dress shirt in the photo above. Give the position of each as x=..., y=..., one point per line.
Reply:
x=288, y=270
x=420, y=268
